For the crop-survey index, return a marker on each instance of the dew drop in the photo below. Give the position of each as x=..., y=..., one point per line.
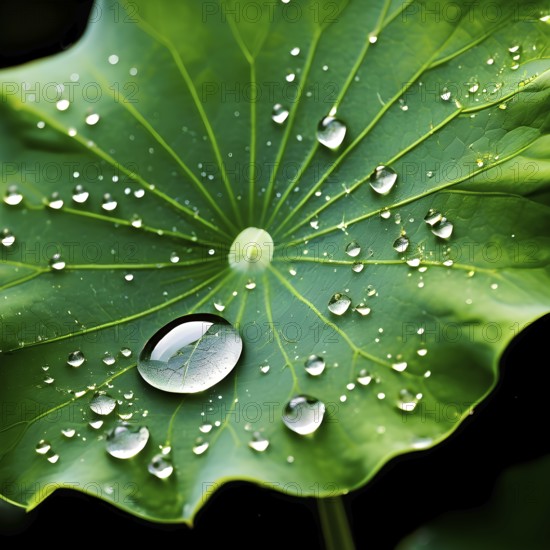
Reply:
x=55, y=201
x=385, y=214
x=13, y=197
x=113, y=59
x=7, y=238
x=413, y=262
x=136, y=221
x=432, y=217
x=75, y=359
x=303, y=414
x=108, y=203
x=314, y=365
x=80, y=195
x=200, y=446
x=401, y=243
x=279, y=114
x=353, y=249
x=258, y=442
x=95, y=424
x=52, y=457
x=383, y=179
x=205, y=428
x=331, y=132
x=62, y=104
x=219, y=306
x=339, y=303
x=126, y=441
x=102, y=404
x=250, y=285
x=399, y=367
x=108, y=359
x=364, y=378
x=264, y=369
x=68, y=432
x=126, y=352
x=295, y=51
x=358, y=267
x=42, y=447
x=443, y=228
x=445, y=95
x=160, y=466
x=48, y=379
x=92, y=119
x=407, y=400
x=190, y=354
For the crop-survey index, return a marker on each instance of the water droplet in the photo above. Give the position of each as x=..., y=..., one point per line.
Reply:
x=264, y=369
x=443, y=228
x=385, y=214
x=407, y=400
x=42, y=447
x=383, y=179
x=290, y=459
x=304, y=414
x=205, y=428
x=353, y=249
x=62, y=104
x=371, y=291
x=373, y=38
x=445, y=95
x=258, y=442
x=160, y=466
x=358, y=267
x=295, y=51
x=7, y=238
x=339, y=303
x=113, y=59
x=432, y=217
x=200, y=446
x=362, y=309
x=52, y=457
x=250, y=285
x=92, y=119
x=68, y=432
x=190, y=354
x=126, y=352
x=364, y=378
x=108, y=203
x=473, y=87
x=136, y=221
x=314, y=365
x=279, y=114
x=290, y=77
x=95, y=424
x=108, y=359
x=48, y=379
x=401, y=243
x=399, y=367
x=102, y=404
x=80, y=195
x=331, y=132
x=57, y=263
x=55, y=202
x=126, y=441
x=12, y=197
x=75, y=359
x=219, y=306
x=413, y=262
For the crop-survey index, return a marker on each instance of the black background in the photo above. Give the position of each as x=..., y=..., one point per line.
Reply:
x=510, y=427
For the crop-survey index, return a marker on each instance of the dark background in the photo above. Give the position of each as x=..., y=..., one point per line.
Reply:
x=510, y=427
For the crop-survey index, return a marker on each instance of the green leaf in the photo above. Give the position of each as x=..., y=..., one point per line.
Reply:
x=514, y=517
x=452, y=96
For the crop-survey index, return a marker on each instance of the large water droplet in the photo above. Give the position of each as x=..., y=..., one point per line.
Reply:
x=339, y=303
x=258, y=442
x=304, y=414
x=190, y=354
x=102, y=404
x=80, y=195
x=331, y=132
x=314, y=365
x=401, y=243
x=279, y=114
x=353, y=249
x=12, y=197
x=126, y=441
x=160, y=466
x=42, y=447
x=7, y=238
x=75, y=359
x=443, y=228
x=383, y=179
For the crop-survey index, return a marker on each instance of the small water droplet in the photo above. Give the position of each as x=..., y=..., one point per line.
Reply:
x=190, y=354
x=95, y=424
x=200, y=446
x=358, y=267
x=62, y=104
x=385, y=214
x=205, y=428
x=52, y=457
x=443, y=228
x=55, y=201
x=371, y=291
x=42, y=447
x=113, y=59
x=432, y=217
x=219, y=306
x=102, y=404
x=160, y=466
x=75, y=359
x=383, y=179
x=48, y=379
x=339, y=303
x=258, y=442
x=57, y=263
x=250, y=285
x=136, y=221
x=80, y=195
x=331, y=132
x=13, y=197
x=68, y=432
x=279, y=114
x=264, y=369
x=413, y=262
x=129, y=277
x=108, y=359
x=304, y=414
x=108, y=203
x=7, y=238
x=407, y=400
x=473, y=87
x=126, y=352
x=353, y=249
x=295, y=51
x=290, y=77
x=125, y=441
x=373, y=38
x=364, y=378
x=399, y=367
x=445, y=95
x=362, y=309
x=314, y=365
x=401, y=243
x=92, y=120
x=290, y=459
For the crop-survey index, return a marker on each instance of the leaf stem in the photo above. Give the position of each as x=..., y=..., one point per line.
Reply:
x=334, y=524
